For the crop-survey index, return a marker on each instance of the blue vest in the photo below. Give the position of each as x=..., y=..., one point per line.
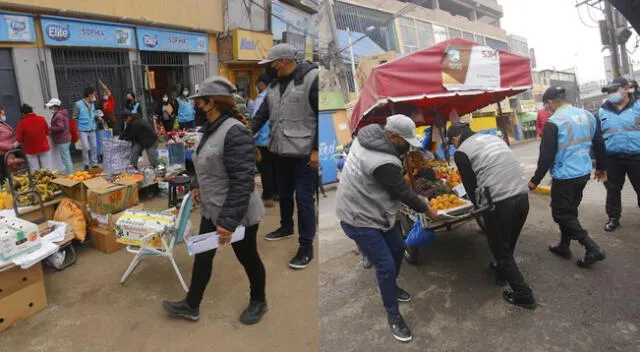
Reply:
x=262, y=137
x=576, y=129
x=621, y=131
x=86, y=116
x=135, y=108
x=186, y=110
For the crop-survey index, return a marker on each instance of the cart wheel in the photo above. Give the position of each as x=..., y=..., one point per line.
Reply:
x=480, y=222
x=411, y=254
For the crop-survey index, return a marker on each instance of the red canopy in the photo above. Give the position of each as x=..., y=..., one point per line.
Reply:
x=418, y=79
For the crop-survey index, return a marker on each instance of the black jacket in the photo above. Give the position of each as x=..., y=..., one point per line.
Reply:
x=239, y=158
x=141, y=132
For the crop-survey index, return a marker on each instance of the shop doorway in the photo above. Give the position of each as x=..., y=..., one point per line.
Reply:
x=163, y=72
x=244, y=83
x=9, y=97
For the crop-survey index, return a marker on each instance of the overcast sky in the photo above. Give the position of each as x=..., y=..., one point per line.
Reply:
x=553, y=28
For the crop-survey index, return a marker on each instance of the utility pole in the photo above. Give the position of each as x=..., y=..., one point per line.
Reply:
x=613, y=47
x=353, y=64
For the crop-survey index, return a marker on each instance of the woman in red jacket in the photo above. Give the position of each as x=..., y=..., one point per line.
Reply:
x=33, y=134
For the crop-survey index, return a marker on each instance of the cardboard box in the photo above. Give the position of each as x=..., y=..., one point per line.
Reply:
x=108, y=221
x=17, y=237
x=104, y=240
x=22, y=304
x=14, y=280
x=135, y=224
x=77, y=190
x=109, y=198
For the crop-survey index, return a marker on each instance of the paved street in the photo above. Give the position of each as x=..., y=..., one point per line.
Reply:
x=90, y=311
x=456, y=307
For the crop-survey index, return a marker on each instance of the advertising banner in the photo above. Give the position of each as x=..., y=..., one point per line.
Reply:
x=16, y=28
x=469, y=67
x=64, y=32
x=150, y=39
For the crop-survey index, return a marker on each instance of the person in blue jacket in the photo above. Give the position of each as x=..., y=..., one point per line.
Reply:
x=621, y=131
x=186, y=111
x=84, y=112
x=265, y=165
x=567, y=138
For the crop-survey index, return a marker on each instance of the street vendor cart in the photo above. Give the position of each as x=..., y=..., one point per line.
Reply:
x=453, y=75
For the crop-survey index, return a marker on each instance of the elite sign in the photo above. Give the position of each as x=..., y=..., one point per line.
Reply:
x=163, y=40
x=61, y=32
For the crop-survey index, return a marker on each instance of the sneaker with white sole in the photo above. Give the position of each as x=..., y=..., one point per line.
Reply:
x=399, y=329
x=181, y=309
x=303, y=258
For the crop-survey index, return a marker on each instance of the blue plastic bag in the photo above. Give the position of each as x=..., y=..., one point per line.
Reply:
x=420, y=237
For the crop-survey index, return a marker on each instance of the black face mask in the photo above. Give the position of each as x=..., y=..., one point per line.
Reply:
x=403, y=149
x=272, y=72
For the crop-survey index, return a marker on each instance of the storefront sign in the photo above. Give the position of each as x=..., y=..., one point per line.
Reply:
x=151, y=39
x=16, y=28
x=249, y=45
x=57, y=31
x=528, y=105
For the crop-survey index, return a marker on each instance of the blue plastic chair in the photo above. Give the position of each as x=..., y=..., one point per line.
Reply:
x=168, y=243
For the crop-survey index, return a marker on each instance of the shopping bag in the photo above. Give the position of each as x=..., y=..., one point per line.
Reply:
x=116, y=155
x=176, y=154
x=420, y=237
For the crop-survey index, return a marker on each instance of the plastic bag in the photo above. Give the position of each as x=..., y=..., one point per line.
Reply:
x=71, y=214
x=420, y=237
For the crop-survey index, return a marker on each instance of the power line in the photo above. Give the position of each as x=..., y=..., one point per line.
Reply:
x=580, y=16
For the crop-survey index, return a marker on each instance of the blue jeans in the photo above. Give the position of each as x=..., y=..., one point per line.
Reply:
x=294, y=175
x=385, y=251
x=65, y=156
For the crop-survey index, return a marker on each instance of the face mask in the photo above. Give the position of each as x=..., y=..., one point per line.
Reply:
x=106, y=97
x=3, y=118
x=93, y=99
x=615, y=98
x=272, y=72
x=185, y=93
x=165, y=99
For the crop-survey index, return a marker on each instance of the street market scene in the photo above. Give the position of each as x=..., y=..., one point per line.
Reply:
x=138, y=142
x=446, y=144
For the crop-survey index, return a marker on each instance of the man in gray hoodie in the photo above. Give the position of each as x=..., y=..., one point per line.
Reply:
x=372, y=187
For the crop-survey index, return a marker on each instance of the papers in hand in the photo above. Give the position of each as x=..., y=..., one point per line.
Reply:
x=208, y=241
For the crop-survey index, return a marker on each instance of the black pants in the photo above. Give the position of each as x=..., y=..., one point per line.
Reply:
x=267, y=173
x=168, y=125
x=503, y=226
x=247, y=253
x=621, y=167
x=566, y=196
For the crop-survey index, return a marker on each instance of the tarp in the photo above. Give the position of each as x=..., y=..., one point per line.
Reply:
x=455, y=74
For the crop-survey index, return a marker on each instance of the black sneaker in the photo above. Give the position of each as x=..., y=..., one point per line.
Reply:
x=561, y=251
x=591, y=258
x=302, y=259
x=254, y=312
x=181, y=309
x=612, y=225
x=279, y=234
x=525, y=302
x=403, y=296
x=399, y=329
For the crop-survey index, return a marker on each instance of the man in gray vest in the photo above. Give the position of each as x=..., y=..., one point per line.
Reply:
x=291, y=107
x=488, y=165
x=371, y=189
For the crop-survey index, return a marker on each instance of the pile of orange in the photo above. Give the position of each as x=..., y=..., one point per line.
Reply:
x=80, y=176
x=132, y=177
x=447, y=201
x=454, y=179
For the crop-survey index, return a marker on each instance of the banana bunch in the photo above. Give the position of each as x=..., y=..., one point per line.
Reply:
x=42, y=179
x=45, y=192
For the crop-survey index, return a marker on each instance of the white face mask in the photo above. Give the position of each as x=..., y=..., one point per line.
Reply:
x=106, y=97
x=185, y=92
x=3, y=118
x=165, y=99
x=94, y=99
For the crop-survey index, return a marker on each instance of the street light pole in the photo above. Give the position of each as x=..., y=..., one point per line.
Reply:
x=613, y=47
x=353, y=63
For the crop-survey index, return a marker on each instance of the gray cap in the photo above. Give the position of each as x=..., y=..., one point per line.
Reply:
x=215, y=85
x=404, y=127
x=280, y=51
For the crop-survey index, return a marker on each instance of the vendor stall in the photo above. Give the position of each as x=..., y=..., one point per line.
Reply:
x=455, y=75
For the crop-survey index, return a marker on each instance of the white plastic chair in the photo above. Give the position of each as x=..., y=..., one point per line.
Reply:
x=168, y=243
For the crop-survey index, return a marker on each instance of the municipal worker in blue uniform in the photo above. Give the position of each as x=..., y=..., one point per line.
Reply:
x=566, y=142
x=620, y=120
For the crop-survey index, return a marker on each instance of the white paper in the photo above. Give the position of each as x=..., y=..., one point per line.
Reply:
x=208, y=241
x=460, y=191
x=28, y=260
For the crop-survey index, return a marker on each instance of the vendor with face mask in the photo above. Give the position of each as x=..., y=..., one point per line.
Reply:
x=372, y=187
x=186, y=111
x=621, y=131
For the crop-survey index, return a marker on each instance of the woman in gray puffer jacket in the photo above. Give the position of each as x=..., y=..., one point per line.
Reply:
x=224, y=163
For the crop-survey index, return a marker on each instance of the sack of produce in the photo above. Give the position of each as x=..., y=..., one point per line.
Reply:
x=71, y=214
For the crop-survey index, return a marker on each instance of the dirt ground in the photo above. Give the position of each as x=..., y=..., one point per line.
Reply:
x=89, y=310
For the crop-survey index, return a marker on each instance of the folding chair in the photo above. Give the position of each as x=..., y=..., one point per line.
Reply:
x=169, y=242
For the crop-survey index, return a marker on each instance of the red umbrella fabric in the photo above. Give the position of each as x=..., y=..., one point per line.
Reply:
x=456, y=74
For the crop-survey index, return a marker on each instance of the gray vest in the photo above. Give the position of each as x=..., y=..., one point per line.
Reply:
x=495, y=166
x=292, y=118
x=361, y=200
x=214, y=181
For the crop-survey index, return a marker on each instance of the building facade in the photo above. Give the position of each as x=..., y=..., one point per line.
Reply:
x=56, y=49
x=591, y=95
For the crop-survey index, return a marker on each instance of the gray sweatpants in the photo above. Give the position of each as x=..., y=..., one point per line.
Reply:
x=152, y=154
